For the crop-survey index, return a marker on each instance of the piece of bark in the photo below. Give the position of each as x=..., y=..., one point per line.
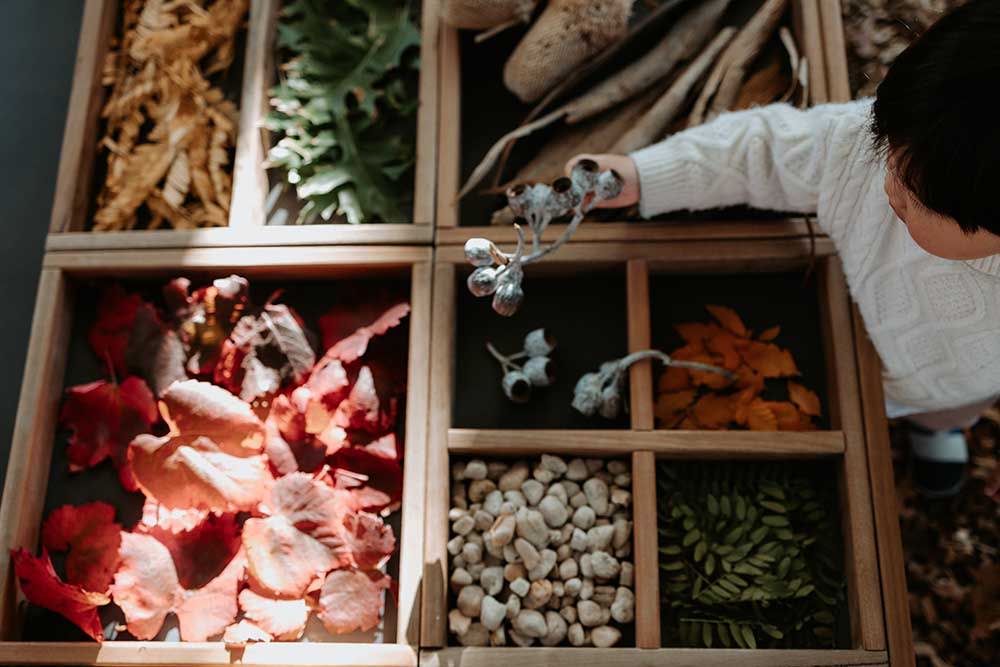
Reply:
x=768, y=84
x=652, y=124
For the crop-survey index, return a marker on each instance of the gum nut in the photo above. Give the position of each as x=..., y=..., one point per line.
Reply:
x=621, y=530
x=520, y=587
x=616, y=467
x=533, y=491
x=557, y=628
x=494, y=469
x=518, y=198
x=566, y=196
x=469, y=600
x=513, y=605
x=464, y=525
x=475, y=469
x=586, y=567
x=587, y=590
x=623, y=480
x=460, y=577
x=529, y=555
x=575, y=635
x=530, y=623
x=475, y=569
x=604, y=595
x=585, y=174
x=583, y=517
x=611, y=403
x=477, y=635
x=472, y=553
x=599, y=537
x=502, y=531
x=455, y=545
x=493, y=502
x=483, y=520
x=491, y=579
x=492, y=613
x=605, y=636
x=515, y=498
x=568, y=569
x=620, y=497
x=541, y=371
x=531, y=526
x=479, y=489
x=589, y=613
x=623, y=608
x=625, y=576
x=516, y=386
x=609, y=185
x=514, y=477
x=458, y=622
x=483, y=281
x=604, y=564
x=579, y=540
x=479, y=252
x=538, y=595
x=539, y=343
x=557, y=491
x=498, y=637
x=587, y=395
x=564, y=553
x=508, y=298
x=597, y=496
x=553, y=511
x=510, y=554
x=513, y=571
x=545, y=565
x=573, y=586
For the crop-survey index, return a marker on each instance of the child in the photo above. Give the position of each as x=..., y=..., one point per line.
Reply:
x=904, y=185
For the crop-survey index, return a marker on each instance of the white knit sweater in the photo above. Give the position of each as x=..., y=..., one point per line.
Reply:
x=934, y=322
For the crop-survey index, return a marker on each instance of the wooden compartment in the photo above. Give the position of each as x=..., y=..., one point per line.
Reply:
x=72, y=207
x=647, y=267
x=476, y=110
x=63, y=292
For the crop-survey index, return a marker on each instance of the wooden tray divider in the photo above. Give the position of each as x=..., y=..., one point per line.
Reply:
x=639, y=334
x=860, y=562
x=645, y=554
x=449, y=128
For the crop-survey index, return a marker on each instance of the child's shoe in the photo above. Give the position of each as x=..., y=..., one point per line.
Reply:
x=938, y=461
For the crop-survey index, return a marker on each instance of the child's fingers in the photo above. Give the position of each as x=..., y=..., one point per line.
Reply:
x=625, y=167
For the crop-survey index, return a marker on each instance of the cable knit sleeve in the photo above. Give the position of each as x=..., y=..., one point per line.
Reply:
x=774, y=157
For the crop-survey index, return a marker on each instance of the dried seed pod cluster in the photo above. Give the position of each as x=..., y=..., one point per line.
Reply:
x=540, y=552
x=601, y=392
x=500, y=274
x=536, y=371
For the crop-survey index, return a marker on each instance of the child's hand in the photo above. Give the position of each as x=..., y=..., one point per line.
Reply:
x=625, y=167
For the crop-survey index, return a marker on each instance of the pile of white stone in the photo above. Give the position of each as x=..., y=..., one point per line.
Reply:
x=540, y=553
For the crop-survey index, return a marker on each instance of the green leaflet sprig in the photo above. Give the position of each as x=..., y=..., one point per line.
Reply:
x=750, y=556
x=345, y=108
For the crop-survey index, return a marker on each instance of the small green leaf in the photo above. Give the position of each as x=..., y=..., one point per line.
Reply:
x=773, y=506
x=710, y=564
x=699, y=551
x=706, y=634
x=713, y=505
x=691, y=537
x=748, y=636
x=775, y=521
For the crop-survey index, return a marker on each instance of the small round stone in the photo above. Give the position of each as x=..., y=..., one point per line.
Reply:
x=470, y=599
x=583, y=517
x=605, y=636
x=475, y=469
x=530, y=623
x=476, y=635
x=589, y=613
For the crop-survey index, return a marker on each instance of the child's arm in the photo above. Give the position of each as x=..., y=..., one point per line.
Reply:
x=772, y=157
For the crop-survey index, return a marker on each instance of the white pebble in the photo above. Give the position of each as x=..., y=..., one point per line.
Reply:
x=555, y=629
x=617, y=467
x=477, y=635
x=568, y=613
x=604, y=595
x=583, y=517
x=498, y=637
x=527, y=551
x=586, y=566
x=620, y=497
x=623, y=480
x=545, y=565
x=479, y=489
x=455, y=545
x=557, y=491
x=573, y=586
x=464, y=525
x=520, y=639
x=472, y=553
x=469, y=600
x=622, y=531
x=514, y=477
x=493, y=502
x=599, y=537
x=513, y=606
x=513, y=571
x=484, y=520
x=538, y=595
x=460, y=577
x=568, y=569
x=492, y=613
x=623, y=608
x=555, y=464
x=575, y=634
x=604, y=564
x=605, y=636
x=530, y=623
x=597, y=495
x=564, y=552
x=625, y=576
x=579, y=540
x=587, y=590
x=475, y=469
x=553, y=511
x=589, y=613
x=458, y=622
x=578, y=500
x=491, y=580
x=515, y=498
x=543, y=475
x=520, y=587
x=531, y=526
x=533, y=491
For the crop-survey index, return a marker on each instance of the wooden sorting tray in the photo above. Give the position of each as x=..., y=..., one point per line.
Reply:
x=463, y=141
x=77, y=161
x=34, y=440
x=843, y=445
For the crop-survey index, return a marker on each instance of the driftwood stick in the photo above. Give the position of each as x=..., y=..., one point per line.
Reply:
x=793, y=61
x=649, y=127
x=697, y=115
x=742, y=52
x=680, y=43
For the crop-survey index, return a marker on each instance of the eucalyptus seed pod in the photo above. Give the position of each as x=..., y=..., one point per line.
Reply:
x=539, y=343
x=508, y=297
x=585, y=174
x=611, y=402
x=519, y=198
x=609, y=185
x=566, y=195
x=587, y=394
x=540, y=371
x=479, y=252
x=517, y=386
x=483, y=281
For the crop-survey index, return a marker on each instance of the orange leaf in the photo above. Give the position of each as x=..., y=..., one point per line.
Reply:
x=761, y=418
x=713, y=411
x=687, y=424
x=770, y=360
x=674, y=379
x=724, y=345
x=788, y=416
x=352, y=600
x=695, y=332
x=672, y=404
x=769, y=334
x=728, y=318
x=805, y=399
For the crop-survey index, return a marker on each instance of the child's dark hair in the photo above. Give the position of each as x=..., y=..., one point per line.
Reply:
x=936, y=113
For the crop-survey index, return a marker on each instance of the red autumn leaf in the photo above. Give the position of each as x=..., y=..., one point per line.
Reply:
x=211, y=460
x=155, y=351
x=202, y=551
x=104, y=418
x=289, y=445
x=206, y=319
x=361, y=409
x=147, y=588
x=112, y=330
x=91, y=536
x=301, y=539
x=375, y=483
x=368, y=539
x=353, y=347
x=282, y=619
x=384, y=447
x=352, y=600
x=244, y=632
x=42, y=586
x=155, y=515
